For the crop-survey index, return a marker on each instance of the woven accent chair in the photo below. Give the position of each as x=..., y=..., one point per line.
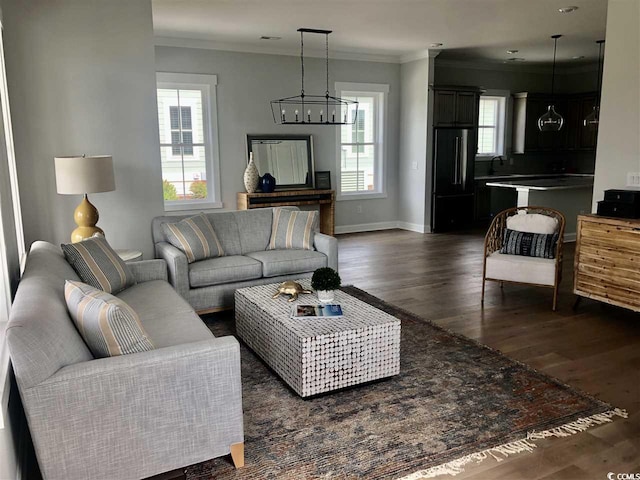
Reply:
x=499, y=267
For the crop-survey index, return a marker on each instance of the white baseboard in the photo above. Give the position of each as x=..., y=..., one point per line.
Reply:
x=372, y=227
x=414, y=227
x=366, y=227
x=570, y=237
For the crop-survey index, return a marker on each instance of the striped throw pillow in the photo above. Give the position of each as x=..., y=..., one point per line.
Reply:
x=529, y=244
x=108, y=325
x=99, y=265
x=195, y=237
x=292, y=229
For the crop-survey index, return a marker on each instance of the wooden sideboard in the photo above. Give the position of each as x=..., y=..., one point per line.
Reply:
x=607, y=260
x=326, y=199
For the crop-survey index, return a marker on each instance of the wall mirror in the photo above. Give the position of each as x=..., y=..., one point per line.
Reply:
x=289, y=158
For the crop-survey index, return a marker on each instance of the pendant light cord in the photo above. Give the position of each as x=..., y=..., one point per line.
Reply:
x=326, y=44
x=553, y=72
x=302, y=61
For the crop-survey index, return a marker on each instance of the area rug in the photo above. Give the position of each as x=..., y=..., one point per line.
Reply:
x=454, y=402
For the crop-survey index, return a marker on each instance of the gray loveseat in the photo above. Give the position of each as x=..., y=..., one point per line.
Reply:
x=208, y=285
x=129, y=416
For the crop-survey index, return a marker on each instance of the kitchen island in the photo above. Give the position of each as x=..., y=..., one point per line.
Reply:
x=570, y=194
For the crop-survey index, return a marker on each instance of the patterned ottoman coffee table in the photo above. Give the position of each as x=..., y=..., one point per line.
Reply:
x=318, y=355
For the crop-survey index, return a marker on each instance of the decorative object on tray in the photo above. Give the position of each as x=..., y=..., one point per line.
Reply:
x=328, y=310
x=251, y=176
x=324, y=281
x=323, y=180
x=291, y=288
x=268, y=183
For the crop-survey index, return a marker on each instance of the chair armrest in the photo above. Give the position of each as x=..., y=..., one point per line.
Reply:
x=178, y=267
x=147, y=270
x=329, y=246
x=89, y=414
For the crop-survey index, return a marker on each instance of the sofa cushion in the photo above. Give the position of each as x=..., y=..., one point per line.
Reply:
x=255, y=229
x=168, y=318
x=216, y=271
x=532, y=223
x=516, y=268
x=287, y=262
x=107, y=324
x=99, y=265
x=529, y=244
x=195, y=237
x=292, y=229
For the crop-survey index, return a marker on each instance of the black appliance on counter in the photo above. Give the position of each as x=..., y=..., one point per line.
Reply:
x=453, y=178
x=620, y=204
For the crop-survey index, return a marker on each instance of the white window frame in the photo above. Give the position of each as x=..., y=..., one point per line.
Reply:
x=207, y=85
x=501, y=129
x=7, y=154
x=381, y=91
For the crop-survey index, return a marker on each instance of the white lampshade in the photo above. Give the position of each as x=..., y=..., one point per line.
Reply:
x=80, y=175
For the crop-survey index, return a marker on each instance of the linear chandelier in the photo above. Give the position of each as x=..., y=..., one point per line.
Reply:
x=306, y=109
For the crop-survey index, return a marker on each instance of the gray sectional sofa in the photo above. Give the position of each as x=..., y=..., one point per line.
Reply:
x=209, y=285
x=129, y=416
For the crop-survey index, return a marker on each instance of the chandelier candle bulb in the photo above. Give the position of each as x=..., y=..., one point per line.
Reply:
x=333, y=116
x=321, y=112
x=283, y=114
x=309, y=115
x=296, y=112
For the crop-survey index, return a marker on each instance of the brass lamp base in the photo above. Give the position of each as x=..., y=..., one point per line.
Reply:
x=86, y=217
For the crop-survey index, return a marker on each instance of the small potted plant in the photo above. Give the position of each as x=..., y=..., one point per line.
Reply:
x=324, y=281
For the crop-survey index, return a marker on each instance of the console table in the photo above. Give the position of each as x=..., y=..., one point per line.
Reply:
x=607, y=259
x=326, y=199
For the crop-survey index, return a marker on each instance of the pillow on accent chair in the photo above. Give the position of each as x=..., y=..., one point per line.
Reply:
x=292, y=229
x=108, y=325
x=532, y=223
x=99, y=265
x=195, y=237
x=529, y=244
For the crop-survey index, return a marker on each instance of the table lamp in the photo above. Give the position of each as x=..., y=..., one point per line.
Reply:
x=80, y=176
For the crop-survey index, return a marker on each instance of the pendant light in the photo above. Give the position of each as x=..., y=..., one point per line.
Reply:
x=551, y=121
x=306, y=109
x=592, y=120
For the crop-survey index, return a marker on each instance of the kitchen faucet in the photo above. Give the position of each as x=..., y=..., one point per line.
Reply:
x=491, y=169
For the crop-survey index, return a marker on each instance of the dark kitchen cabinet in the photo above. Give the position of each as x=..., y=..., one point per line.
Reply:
x=528, y=107
x=456, y=106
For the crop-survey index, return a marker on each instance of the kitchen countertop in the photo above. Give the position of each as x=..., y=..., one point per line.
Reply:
x=514, y=176
x=558, y=182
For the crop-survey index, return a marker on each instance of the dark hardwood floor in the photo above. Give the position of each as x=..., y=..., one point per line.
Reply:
x=595, y=348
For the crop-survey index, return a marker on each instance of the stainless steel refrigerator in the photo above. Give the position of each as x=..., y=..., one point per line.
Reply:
x=453, y=183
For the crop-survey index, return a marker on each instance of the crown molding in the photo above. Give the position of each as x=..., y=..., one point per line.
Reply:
x=180, y=42
x=519, y=67
x=419, y=55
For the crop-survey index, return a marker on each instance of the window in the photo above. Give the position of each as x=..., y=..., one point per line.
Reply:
x=188, y=141
x=491, y=122
x=361, y=146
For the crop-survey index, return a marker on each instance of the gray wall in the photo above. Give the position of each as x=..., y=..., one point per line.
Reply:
x=246, y=84
x=414, y=200
x=81, y=78
x=618, y=135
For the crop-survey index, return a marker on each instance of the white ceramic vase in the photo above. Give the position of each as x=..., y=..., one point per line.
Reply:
x=325, y=296
x=251, y=176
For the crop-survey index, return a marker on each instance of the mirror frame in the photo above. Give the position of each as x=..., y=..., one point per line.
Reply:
x=309, y=185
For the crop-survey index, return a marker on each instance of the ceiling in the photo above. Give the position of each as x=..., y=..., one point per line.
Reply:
x=389, y=30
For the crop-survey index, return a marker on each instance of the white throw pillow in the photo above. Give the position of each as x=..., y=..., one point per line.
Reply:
x=532, y=223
